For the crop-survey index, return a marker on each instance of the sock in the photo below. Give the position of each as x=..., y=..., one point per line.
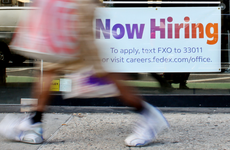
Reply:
x=37, y=117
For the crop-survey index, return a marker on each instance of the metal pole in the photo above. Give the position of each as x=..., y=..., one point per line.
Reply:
x=41, y=78
x=228, y=50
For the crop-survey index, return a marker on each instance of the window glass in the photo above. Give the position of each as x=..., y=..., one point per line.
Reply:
x=18, y=74
x=15, y=3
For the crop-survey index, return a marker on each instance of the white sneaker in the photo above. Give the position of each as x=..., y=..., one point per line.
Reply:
x=151, y=123
x=21, y=129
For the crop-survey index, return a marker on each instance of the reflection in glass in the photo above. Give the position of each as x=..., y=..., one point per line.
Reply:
x=15, y=3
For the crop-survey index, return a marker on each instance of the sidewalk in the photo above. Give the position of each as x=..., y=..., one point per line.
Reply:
x=107, y=131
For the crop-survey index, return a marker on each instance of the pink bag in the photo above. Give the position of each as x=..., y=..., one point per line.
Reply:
x=48, y=31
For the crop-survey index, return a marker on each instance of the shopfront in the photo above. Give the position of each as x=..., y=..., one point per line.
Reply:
x=175, y=52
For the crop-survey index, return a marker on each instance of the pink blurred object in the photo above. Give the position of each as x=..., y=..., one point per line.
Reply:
x=48, y=31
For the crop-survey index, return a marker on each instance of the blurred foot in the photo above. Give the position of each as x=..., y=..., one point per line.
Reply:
x=21, y=129
x=151, y=123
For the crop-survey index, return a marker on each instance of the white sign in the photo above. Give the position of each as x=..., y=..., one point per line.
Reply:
x=65, y=85
x=178, y=39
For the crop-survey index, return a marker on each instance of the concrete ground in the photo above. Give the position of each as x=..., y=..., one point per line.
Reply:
x=204, y=130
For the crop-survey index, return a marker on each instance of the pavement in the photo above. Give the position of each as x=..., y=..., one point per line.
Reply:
x=85, y=129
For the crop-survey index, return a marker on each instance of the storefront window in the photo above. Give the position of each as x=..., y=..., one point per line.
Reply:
x=18, y=74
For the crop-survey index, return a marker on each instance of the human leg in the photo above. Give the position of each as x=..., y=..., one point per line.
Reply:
x=151, y=121
x=128, y=94
x=41, y=90
x=42, y=93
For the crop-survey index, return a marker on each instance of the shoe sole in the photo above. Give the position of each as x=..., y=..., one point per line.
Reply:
x=31, y=138
x=141, y=145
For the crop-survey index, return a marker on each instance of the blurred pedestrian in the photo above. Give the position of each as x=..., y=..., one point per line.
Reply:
x=29, y=129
